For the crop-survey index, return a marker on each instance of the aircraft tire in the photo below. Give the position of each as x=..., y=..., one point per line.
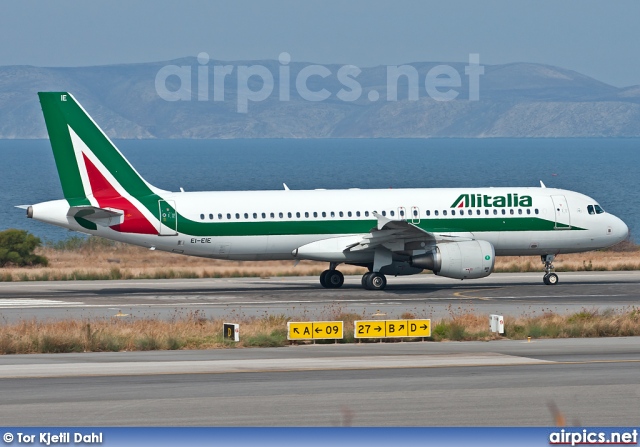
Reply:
x=365, y=279
x=376, y=281
x=552, y=279
x=333, y=279
x=323, y=280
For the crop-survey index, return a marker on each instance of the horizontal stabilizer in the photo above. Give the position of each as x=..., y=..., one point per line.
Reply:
x=105, y=217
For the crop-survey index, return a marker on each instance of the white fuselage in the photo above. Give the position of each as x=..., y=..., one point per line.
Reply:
x=264, y=225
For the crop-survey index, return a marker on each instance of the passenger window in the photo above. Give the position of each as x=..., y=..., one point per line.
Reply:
x=392, y=213
x=255, y=215
x=511, y=211
x=298, y=214
x=428, y=212
x=324, y=214
x=357, y=213
x=237, y=215
x=520, y=211
x=246, y=215
x=264, y=215
x=504, y=211
x=453, y=212
x=202, y=216
x=366, y=214
x=220, y=216
x=478, y=212
x=384, y=213
x=444, y=213
x=315, y=214
x=435, y=212
x=495, y=212
x=536, y=211
x=401, y=213
x=272, y=215
x=333, y=214
x=306, y=214
x=229, y=216
x=341, y=214
x=349, y=214
x=486, y=212
x=289, y=215
x=528, y=211
x=281, y=215
x=211, y=216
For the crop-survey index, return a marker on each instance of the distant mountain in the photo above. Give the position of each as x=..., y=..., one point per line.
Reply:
x=515, y=100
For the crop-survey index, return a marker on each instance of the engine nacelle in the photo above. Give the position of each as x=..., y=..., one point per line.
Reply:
x=459, y=260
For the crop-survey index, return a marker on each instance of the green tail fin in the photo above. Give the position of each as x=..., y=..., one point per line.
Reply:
x=74, y=135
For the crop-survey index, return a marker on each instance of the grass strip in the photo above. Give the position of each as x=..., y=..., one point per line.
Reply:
x=194, y=330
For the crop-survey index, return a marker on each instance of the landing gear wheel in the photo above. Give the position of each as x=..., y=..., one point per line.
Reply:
x=364, y=279
x=375, y=281
x=551, y=279
x=333, y=279
x=323, y=278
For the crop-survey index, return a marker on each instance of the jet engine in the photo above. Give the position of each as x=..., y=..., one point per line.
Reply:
x=459, y=260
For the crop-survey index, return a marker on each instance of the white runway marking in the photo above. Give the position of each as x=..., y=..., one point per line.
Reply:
x=30, y=302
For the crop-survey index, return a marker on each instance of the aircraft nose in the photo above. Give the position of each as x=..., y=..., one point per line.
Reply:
x=620, y=229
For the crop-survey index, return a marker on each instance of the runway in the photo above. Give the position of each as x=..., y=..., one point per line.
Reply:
x=503, y=383
x=425, y=296
x=499, y=383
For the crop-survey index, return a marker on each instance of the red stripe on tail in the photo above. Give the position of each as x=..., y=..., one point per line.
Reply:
x=108, y=197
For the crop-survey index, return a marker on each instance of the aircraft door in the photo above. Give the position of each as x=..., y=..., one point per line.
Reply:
x=561, y=210
x=168, y=225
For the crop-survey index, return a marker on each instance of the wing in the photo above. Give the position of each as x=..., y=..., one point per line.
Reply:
x=396, y=235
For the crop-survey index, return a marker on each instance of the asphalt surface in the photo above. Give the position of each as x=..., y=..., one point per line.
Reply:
x=503, y=383
x=499, y=383
x=425, y=296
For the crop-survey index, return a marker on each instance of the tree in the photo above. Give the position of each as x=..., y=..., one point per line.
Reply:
x=17, y=246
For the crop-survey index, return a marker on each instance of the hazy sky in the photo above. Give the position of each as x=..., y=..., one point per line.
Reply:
x=597, y=38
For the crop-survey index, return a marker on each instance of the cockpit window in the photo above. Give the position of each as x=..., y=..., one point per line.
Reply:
x=598, y=209
x=590, y=209
x=594, y=209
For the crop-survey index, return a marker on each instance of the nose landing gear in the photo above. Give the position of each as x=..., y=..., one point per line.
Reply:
x=550, y=279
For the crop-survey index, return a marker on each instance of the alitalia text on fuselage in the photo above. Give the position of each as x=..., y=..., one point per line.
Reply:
x=474, y=200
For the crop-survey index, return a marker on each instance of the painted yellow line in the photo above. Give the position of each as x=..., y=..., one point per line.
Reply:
x=463, y=294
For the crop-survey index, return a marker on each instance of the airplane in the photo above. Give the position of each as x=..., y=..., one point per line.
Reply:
x=454, y=232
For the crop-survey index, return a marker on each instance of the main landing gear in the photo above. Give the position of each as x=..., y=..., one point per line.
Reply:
x=374, y=281
x=550, y=279
x=333, y=279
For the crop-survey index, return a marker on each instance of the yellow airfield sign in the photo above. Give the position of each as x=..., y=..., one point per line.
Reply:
x=392, y=328
x=315, y=330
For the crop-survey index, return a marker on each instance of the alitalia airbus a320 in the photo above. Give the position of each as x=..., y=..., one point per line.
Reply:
x=456, y=233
